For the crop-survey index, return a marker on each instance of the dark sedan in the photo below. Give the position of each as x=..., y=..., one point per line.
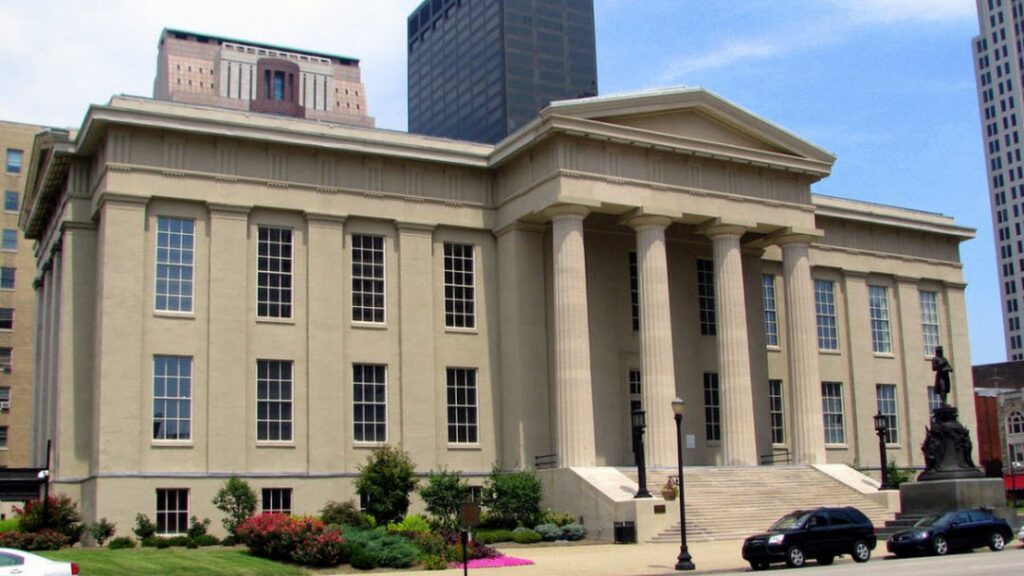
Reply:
x=958, y=530
x=820, y=534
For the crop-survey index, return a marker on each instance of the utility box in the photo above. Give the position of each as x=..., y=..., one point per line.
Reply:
x=625, y=532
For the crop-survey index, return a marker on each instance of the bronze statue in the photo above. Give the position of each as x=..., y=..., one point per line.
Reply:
x=942, y=371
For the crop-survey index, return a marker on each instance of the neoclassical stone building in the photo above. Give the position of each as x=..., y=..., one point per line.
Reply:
x=225, y=293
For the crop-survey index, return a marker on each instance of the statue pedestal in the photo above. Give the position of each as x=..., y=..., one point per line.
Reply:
x=947, y=449
x=937, y=496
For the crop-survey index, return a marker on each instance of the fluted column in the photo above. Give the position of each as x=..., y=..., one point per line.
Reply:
x=739, y=447
x=808, y=433
x=574, y=403
x=657, y=363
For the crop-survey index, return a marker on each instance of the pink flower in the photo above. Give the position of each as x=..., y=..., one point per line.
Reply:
x=494, y=562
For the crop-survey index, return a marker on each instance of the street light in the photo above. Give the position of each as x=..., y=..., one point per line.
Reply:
x=684, y=561
x=639, y=419
x=882, y=429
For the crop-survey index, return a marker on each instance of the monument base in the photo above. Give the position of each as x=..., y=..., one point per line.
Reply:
x=938, y=496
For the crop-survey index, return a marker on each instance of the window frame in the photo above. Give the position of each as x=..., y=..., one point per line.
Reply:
x=9, y=240
x=777, y=411
x=452, y=288
x=1015, y=423
x=370, y=281
x=4, y=313
x=282, y=423
x=12, y=273
x=837, y=426
x=14, y=167
x=181, y=516
x=826, y=320
x=771, y=312
x=360, y=426
x=160, y=424
x=466, y=414
x=634, y=290
x=712, y=408
x=887, y=405
x=878, y=312
x=931, y=329
x=706, y=305
x=285, y=273
x=8, y=195
x=165, y=274
x=276, y=496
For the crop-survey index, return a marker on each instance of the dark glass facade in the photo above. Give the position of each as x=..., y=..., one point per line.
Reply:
x=481, y=69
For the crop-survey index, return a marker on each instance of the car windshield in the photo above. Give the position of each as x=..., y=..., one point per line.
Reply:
x=933, y=519
x=794, y=520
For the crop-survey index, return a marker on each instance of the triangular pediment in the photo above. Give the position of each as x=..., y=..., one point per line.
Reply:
x=691, y=113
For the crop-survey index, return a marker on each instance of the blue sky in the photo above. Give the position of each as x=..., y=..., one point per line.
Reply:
x=886, y=85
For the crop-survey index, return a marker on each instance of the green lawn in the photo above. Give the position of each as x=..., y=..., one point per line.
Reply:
x=213, y=561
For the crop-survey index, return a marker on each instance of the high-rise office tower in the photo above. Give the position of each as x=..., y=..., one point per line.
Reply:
x=481, y=69
x=242, y=75
x=998, y=63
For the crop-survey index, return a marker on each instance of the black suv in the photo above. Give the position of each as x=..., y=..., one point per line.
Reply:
x=821, y=534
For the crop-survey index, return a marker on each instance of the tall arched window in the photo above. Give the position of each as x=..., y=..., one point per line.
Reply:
x=1015, y=423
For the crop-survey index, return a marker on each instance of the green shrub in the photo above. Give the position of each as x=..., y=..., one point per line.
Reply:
x=549, y=532
x=557, y=518
x=121, y=543
x=60, y=514
x=512, y=498
x=204, y=540
x=102, y=531
x=573, y=532
x=343, y=514
x=10, y=525
x=144, y=527
x=179, y=541
x=492, y=536
x=45, y=539
x=410, y=524
x=385, y=482
x=434, y=562
x=444, y=495
x=155, y=542
x=197, y=528
x=237, y=500
x=523, y=535
x=898, y=475
x=387, y=550
x=363, y=559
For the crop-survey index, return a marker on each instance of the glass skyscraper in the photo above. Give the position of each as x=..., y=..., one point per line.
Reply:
x=481, y=69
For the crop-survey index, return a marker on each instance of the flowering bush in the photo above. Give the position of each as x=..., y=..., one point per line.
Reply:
x=60, y=514
x=45, y=539
x=302, y=540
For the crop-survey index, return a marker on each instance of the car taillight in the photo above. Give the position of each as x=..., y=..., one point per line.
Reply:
x=74, y=569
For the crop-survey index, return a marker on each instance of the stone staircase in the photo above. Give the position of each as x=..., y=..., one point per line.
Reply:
x=728, y=503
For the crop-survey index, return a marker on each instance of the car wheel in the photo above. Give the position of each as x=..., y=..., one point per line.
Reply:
x=861, y=551
x=996, y=542
x=758, y=566
x=940, y=546
x=795, y=557
x=825, y=560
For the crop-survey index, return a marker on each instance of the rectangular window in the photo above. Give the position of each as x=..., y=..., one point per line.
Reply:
x=175, y=252
x=277, y=501
x=775, y=411
x=771, y=319
x=14, y=159
x=825, y=310
x=274, y=280
x=10, y=201
x=459, y=290
x=462, y=406
x=934, y=400
x=712, y=407
x=634, y=291
x=274, y=400
x=634, y=382
x=6, y=359
x=878, y=306
x=368, y=278
x=5, y=398
x=832, y=411
x=370, y=404
x=885, y=396
x=706, y=296
x=171, y=510
x=10, y=240
x=930, y=322
x=6, y=318
x=172, y=398
x=3, y=437
x=7, y=278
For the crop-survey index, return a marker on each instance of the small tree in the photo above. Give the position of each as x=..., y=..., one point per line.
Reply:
x=512, y=498
x=444, y=494
x=60, y=514
x=385, y=482
x=102, y=531
x=238, y=501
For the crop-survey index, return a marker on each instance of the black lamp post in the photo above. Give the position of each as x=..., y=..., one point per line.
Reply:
x=639, y=420
x=882, y=429
x=684, y=561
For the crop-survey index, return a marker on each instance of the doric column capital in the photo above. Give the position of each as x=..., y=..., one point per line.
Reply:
x=642, y=221
x=561, y=211
x=722, y=229
x=791, y=236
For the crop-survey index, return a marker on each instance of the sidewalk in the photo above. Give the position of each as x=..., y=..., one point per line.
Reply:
x=607, y=559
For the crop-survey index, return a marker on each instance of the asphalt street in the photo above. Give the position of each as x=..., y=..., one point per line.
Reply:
x=1009, y=562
